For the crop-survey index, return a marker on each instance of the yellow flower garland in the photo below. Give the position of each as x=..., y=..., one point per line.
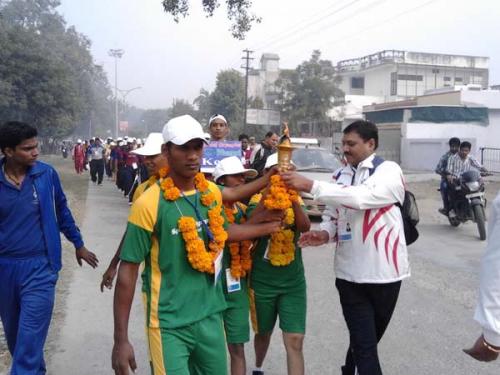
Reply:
x=241, y=260
x=197, y=254
x=282, y=247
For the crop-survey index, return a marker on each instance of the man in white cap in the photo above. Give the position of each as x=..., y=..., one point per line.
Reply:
x=79, y=156
x=230, y=173
x=181, y=216
x=218, y=128
x=154, y=160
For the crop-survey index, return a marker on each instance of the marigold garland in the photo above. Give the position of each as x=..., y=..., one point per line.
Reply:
x=241, y=260
x=282, y=246
x=197, y=254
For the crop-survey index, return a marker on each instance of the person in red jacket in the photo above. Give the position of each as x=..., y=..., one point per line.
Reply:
x=79, y=156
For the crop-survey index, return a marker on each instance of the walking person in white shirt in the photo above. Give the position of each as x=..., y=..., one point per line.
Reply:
x=371, y=257
x=487, y=346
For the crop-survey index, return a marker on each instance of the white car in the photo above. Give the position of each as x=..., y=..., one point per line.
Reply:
x=316, y=164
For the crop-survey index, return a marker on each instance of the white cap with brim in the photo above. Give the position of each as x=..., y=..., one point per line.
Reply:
x=79, y=141
x=152, y=146
x=232, y=165
x=216, y=117
x=272, y=160
x=182, y=129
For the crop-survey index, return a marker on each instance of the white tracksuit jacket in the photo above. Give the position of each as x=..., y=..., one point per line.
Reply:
x=365, y=204
x=488, y=308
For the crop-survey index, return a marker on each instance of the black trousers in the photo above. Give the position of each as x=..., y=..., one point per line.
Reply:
x=97, y=170
x=367, y=310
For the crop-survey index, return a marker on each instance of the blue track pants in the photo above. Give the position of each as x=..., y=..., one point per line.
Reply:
x=26, y=301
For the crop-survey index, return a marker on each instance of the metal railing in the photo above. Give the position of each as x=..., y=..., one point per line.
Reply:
x=490, y=158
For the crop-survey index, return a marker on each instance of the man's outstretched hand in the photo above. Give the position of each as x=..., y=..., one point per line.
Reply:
x=314, y=238
x=88, y=256
x=295, y=181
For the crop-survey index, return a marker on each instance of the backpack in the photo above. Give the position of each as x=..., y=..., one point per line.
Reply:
x=409, y=209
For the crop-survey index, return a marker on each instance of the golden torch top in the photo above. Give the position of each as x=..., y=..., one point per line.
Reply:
x=285, y=149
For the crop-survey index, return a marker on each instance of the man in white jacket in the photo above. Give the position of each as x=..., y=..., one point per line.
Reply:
x=487, y=346
x=366, y=224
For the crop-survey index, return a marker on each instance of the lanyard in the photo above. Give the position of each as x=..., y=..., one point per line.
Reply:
x=198, y=215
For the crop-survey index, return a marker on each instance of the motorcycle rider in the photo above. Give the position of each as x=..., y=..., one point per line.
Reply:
x=454, y=144
x=459, y=163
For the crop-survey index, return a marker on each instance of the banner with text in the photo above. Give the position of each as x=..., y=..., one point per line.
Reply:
x=216, y=151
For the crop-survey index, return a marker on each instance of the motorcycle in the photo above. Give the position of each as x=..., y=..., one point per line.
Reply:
x=467, y=202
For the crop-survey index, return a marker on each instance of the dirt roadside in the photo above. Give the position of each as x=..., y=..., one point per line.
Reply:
x=75, y=188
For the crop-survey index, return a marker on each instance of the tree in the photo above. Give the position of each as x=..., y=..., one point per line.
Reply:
x=47, y=75
x=202, y=104
x=237, y=12
x=307, y=93
x=228, y=98
x=181, y=107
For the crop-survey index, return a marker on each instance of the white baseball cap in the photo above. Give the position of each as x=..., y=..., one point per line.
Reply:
x=79, y=141
x=216, y=117
x=152, y=146
x=232, y=165
x=182, y=129
x=272, y=160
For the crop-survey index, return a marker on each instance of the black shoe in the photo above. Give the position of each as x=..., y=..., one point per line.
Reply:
x=255, y=372
x=443, y=211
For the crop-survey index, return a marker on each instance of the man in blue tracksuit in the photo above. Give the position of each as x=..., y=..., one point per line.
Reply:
x=33, y=210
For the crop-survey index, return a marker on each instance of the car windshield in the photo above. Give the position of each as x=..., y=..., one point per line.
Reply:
x=315, y=159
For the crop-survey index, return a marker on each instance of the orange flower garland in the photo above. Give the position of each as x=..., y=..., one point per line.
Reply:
x=197, y=254
x=282, y=246
x=241, y=260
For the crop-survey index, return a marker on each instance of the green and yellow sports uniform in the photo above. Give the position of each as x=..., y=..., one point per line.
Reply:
x=236, y=316
x=277, y=290
x=141, y=189
x=183, y=306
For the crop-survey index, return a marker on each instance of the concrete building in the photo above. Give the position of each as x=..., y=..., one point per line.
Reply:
x=261, y=82
x=415, y=132
x=396, y=75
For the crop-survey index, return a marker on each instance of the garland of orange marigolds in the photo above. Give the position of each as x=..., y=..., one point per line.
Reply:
x=197, y=254
x=241, y=259
x=282, y=247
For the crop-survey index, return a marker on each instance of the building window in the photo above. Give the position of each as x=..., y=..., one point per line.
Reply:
x=459, y=79
x=394, y=84
x=357, y=83
x=447, y=79
x=410, y=77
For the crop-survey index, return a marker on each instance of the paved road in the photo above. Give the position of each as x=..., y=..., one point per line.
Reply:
x=432, y=323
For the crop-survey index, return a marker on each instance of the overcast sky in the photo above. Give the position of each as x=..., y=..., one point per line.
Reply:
x=169, y=60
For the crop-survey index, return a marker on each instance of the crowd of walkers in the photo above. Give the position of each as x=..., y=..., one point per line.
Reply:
x=217, y=250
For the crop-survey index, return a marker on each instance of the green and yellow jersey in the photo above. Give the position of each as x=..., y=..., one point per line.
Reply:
x=240, y=297
x=264, y=274
x=176, y=294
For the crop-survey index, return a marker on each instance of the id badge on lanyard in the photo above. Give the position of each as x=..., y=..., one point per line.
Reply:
x=344, y=227
x=233, y=284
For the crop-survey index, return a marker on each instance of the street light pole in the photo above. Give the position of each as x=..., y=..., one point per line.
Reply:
x=117, y=54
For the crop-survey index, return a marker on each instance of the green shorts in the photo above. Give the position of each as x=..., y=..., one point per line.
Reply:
x=237, y=315
x=266, y=304
x=199, y=348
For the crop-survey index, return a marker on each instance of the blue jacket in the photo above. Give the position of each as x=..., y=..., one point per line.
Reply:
x=54, y=212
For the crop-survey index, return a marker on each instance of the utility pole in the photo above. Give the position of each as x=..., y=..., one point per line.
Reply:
x=117, y=54
x=247, y=68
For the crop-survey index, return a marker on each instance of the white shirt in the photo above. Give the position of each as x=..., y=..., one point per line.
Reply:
x=366, y=206
x=488, y=308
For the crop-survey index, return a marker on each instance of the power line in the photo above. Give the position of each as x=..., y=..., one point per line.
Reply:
x=298, y=28
x=277, y=37
x=381, y=23
x=343, y=20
